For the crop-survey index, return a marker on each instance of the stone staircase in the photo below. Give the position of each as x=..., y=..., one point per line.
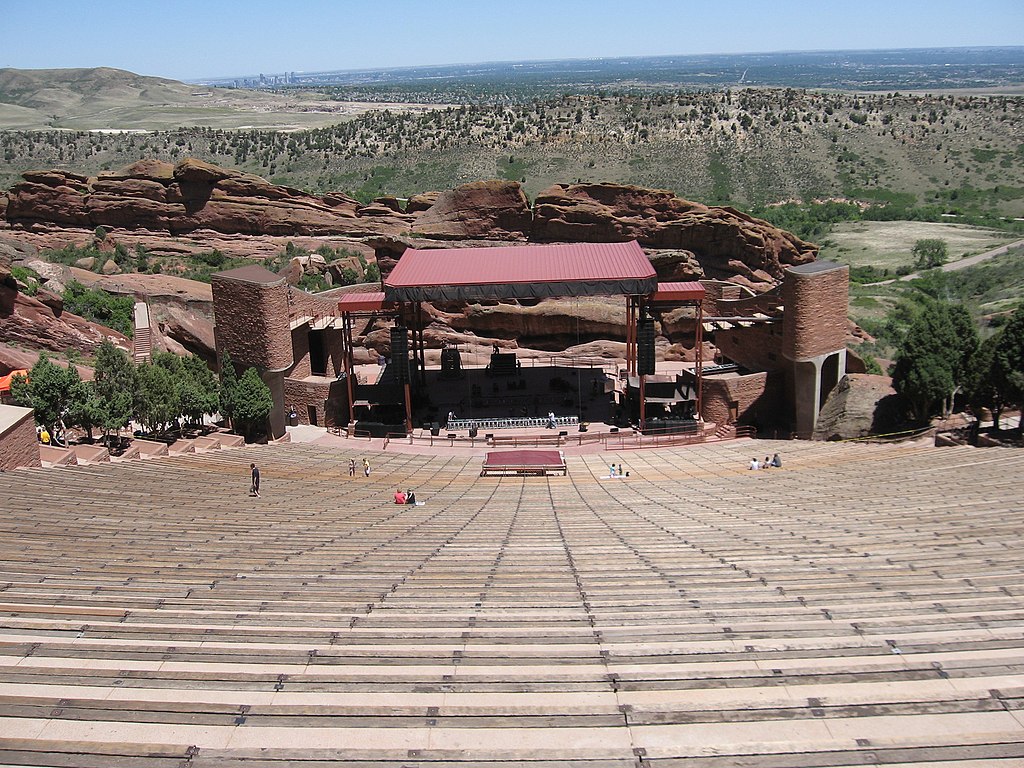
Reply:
x=864, y=605
x=142, y=338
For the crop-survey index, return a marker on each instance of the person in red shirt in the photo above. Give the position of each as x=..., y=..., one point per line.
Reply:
x=399, y=496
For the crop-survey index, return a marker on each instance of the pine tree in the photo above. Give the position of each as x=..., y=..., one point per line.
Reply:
x=115, y=382
x=984, y=388
x=88, y=410
x=1008, y=359
x=926, y=365
x=228, y=387
x=197, y=390
x=251, y=404
x=156, y=398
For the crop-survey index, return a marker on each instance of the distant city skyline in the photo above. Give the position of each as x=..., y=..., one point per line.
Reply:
x=192, y=40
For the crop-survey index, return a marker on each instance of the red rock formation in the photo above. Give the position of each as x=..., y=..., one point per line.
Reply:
x=495, y=210
x=28, y=321
x=550, y=324
x=726, y=241
x=190, y=196
x=13, y=358
x=177, y=210
x=861, y=404
x=181, y=310
x=421, y=202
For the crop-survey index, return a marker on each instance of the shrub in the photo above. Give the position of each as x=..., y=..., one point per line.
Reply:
x=26, y=277
x=116, y=312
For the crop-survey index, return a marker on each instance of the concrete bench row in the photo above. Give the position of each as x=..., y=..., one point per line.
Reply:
x=863, y=604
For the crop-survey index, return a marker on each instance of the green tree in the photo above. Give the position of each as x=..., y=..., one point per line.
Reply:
x=930, y=253
x=88, y=410
x=228, y=387
x=252, y=403
x=197, y=390
x=984, y=387
x=51, y=390
x=963, y=352
x=1008, y=359
x=156, y=397
x=114, y=381
x=924, y=373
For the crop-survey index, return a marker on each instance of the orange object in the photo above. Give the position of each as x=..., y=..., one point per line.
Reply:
x=5, y=381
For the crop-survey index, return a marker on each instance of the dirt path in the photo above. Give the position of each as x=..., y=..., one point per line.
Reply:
x=959, y=264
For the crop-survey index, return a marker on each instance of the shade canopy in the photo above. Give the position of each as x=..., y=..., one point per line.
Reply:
x=521, y=272
x=679, y=292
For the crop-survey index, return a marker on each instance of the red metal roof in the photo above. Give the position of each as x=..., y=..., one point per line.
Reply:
x=521, y=270
x=683, y=291
x=361, y=302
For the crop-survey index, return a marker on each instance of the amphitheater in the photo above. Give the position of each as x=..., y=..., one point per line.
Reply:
x=863, y=605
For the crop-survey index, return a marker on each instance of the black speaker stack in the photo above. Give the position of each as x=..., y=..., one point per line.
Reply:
x=645, y=347
x=400, y=353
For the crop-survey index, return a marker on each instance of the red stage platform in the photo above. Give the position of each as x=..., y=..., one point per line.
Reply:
x=523, y=463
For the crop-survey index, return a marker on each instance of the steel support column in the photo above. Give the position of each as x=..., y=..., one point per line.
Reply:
x=700, y=360
x=346, y=325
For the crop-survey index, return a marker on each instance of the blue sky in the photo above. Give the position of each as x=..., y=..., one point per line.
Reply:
x=189, y=39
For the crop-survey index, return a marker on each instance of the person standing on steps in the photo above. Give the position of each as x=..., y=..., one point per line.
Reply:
x=351, y=467
x=366, y=468
x=255, y=490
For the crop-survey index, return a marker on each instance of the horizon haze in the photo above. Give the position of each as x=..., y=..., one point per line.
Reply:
x=221, y=42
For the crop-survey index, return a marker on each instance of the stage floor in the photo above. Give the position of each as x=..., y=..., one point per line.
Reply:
x=538, y=462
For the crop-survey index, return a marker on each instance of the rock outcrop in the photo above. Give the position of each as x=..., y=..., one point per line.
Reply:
x=493, y=210
x=175, y=211
x=861, y=404
x=181, y=310
x=31, y=322
x=14, y=358
x=552, y=324
x=190, y=196
x=726, y=241
x=193, y=197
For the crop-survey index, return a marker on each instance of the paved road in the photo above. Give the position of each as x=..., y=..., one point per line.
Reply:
x=954, y=266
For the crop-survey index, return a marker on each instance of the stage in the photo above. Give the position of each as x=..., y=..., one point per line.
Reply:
x=523, y=463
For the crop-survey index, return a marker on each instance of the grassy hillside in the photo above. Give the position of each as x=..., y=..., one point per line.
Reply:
x=890, y=244
x=956, y=153
x=104, y=99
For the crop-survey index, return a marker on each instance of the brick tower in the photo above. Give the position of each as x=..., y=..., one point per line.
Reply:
x=251, y=322
x=815, y=297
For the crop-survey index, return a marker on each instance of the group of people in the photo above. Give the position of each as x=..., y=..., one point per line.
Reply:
x=352, y=468
x=405, y=497
x=614, y=471
x=774, y=462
